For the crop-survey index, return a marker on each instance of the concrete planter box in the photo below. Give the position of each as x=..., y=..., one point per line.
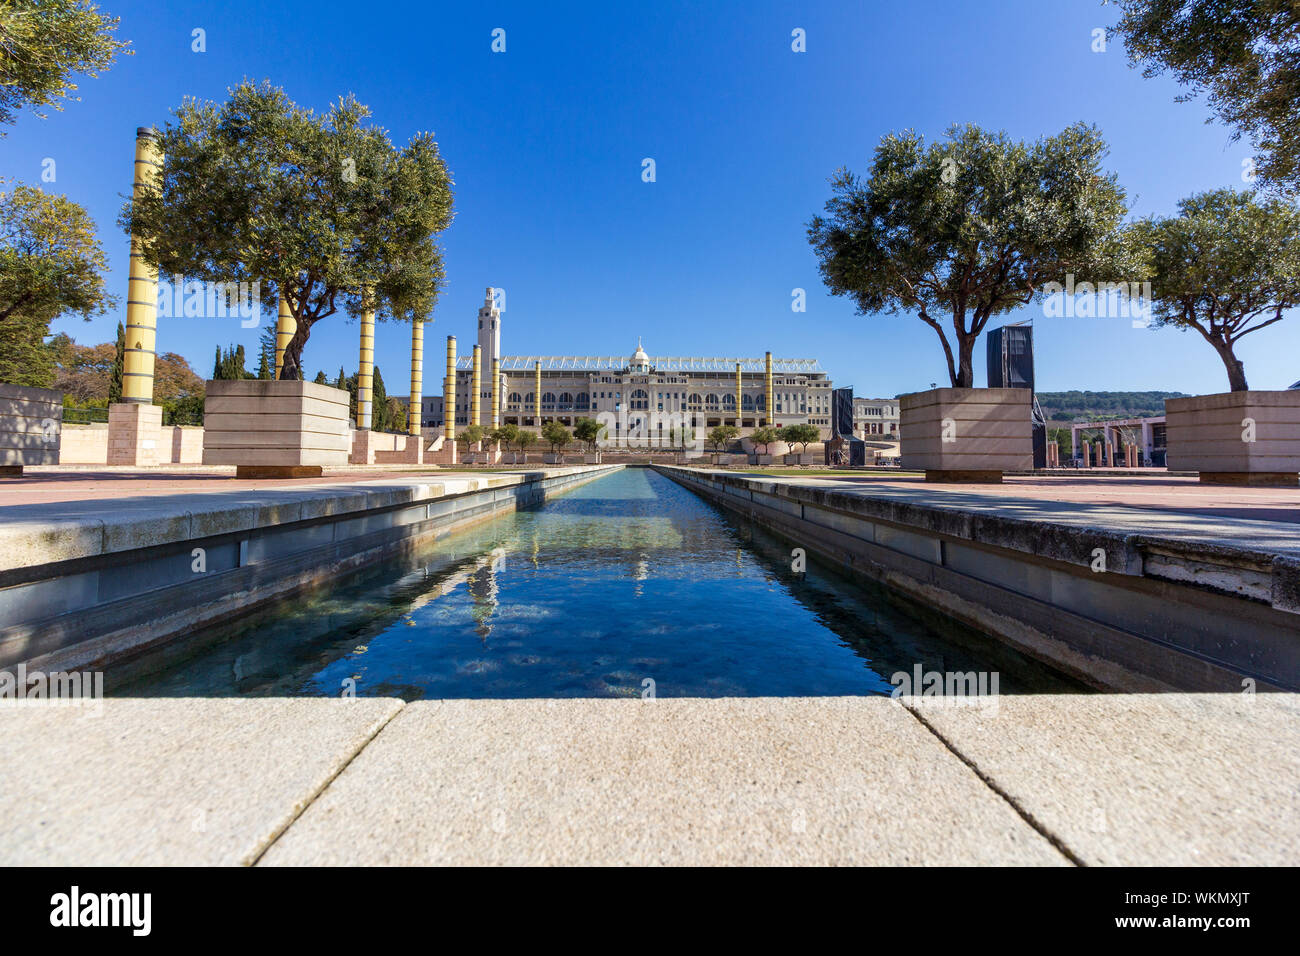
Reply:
x=551, y=458
x=590, y=459
x=1239, y=438
x=967, y=434
x=31, y=424
x=757, y=459
x=274, y=429
x=802, y=459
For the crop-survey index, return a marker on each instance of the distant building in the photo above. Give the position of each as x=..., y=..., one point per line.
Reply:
x=874, y=417
x=641, y=397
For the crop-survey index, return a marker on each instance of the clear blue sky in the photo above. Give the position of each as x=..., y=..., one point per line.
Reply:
x=545, y=143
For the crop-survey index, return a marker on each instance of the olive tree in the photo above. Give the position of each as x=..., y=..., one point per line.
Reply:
x=800, y=435
x=43, y=44
x=764, y=436
x=556, y=435
x=1243, y=55
x=320, y=208
x=589, y=432
x=967, y=228
x=1227, y=265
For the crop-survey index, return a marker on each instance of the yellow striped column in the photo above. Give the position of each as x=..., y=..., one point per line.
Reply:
x=142, y=287
x=738, y=396
x=285, y=326
x=496, y=393
x=449, y=393
x=768, y=396
x=537, y=391
x=366, y=371
x=476, y=388
x=417, y=377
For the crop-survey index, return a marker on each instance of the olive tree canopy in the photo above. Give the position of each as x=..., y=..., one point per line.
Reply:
x=967, y=228
x=1227, y=265
x=318, y=207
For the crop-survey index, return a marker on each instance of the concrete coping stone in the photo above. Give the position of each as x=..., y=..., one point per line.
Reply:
x=1065, y=533
x=38, y=534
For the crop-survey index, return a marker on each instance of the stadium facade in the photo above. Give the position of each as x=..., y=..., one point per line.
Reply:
x=640, y=398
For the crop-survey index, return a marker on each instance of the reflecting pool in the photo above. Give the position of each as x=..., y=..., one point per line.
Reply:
x=629, y=585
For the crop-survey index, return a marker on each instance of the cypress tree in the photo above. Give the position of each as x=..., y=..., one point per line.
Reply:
x=119, y=366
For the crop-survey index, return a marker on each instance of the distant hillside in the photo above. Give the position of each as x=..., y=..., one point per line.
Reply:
x=1069, y=406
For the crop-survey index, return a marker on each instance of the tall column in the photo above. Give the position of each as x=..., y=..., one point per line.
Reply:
x=449, y=394
x=768, y=395
x=142, y=287
x=285, y=326
x=738, y=396
x=537, y=391
x=496, y=393
x=476, y=388
x=415, y=407
x=135, y=422
x=366, y=371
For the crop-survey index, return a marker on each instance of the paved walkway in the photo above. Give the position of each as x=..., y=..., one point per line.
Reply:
x=1260, y=519
x=56, y=483
x=1035, y=780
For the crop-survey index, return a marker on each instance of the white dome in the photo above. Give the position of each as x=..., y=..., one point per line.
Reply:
x=639, y=359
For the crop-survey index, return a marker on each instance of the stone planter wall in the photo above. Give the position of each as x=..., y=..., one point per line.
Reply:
x=551, y=458
x=967, y=434
x=799, y=459
x=1236, y=437
x=31, y=424
x=590, y=459
x=275, y=428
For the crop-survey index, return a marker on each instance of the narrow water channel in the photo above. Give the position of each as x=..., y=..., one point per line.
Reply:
x=625, y=586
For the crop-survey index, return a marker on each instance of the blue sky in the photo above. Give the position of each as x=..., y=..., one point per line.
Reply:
x=546, y=142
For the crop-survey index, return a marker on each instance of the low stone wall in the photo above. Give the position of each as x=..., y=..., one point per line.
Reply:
x=30, y=425
x=1165, y=613
x=82, y=592
x=88, y=444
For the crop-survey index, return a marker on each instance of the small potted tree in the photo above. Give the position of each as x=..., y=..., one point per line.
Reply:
x=957, y=232
x=470, y=436
x=1225, y=266
x=523, y=440
x=557, y=436
x=802, y=435
x=762, y=438
x=503, y=436
x=720, y=437
x=589, y=432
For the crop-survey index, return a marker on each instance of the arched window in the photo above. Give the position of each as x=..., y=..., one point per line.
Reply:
x=711, y=401
x=729, y=400
x=762, y=402
x=695, y=400
x=514, y=398
x=548, y=398
x=747, y=402
x=584, y=400
x=531, y=396
x=566, y=398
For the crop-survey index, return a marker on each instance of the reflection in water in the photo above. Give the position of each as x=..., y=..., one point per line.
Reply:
x=626, y=578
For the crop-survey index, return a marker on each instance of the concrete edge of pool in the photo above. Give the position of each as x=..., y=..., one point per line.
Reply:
x=1181, y=603
x=82, y=585
x=1161, y=779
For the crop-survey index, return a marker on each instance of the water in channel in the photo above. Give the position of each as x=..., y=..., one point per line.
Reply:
x=625, y=585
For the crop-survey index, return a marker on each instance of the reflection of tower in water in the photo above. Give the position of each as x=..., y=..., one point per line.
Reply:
x=483, y=589
x=640, y=571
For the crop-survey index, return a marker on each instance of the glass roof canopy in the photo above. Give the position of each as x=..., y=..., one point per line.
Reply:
x=617, y=363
